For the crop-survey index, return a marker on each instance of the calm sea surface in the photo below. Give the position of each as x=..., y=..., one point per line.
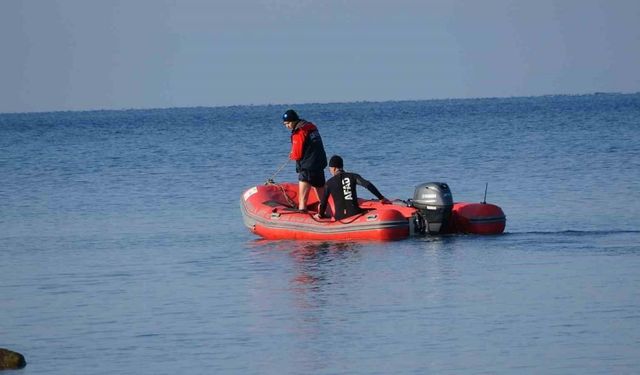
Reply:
x=122, y=248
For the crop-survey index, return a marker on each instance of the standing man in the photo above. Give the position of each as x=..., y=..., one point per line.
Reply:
x=308, y=152
x=342, y=187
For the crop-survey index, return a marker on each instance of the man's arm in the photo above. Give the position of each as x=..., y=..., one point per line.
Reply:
x=297, y=143
x=369, y=186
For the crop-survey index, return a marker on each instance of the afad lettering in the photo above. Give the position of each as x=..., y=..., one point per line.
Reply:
x=346, y=189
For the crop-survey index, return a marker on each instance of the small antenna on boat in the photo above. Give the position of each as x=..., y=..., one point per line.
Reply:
x=486, y=186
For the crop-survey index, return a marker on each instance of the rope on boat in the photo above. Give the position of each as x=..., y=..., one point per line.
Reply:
x=291, y=203
x=354, y=217
x=270, y=181
x=284, y=192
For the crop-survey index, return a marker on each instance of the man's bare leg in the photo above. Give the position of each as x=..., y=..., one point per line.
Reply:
x=303, y=194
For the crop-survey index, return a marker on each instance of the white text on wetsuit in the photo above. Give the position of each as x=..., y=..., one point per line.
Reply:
x=346, y=189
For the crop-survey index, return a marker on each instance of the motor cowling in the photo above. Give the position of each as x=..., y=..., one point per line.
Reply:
x=434, y=201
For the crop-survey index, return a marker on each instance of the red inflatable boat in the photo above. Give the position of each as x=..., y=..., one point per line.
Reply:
x=269, y=211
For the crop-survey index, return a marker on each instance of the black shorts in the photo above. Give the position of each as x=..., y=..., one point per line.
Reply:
x=314, y=178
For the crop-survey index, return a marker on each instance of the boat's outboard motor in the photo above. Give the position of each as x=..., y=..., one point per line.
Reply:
x=434, y=201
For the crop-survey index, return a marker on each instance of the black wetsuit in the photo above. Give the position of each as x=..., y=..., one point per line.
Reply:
x=342, y=187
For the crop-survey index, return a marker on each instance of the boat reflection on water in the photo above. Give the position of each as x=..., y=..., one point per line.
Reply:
x=312, y=260
x=312, y=267
x=315, y=262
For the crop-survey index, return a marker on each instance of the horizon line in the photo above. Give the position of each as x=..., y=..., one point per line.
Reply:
x=313, y=103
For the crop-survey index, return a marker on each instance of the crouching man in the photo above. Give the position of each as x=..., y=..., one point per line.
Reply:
x=342, y=187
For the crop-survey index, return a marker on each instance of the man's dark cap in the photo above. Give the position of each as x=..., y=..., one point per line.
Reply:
x=290, y=115
x=336, y=162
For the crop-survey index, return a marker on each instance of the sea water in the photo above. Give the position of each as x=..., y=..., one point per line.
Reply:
x=123, y=251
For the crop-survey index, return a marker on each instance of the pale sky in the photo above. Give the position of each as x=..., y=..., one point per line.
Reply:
x=102, y=54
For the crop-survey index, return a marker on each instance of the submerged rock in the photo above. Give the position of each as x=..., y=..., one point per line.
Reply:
x=11, y=360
